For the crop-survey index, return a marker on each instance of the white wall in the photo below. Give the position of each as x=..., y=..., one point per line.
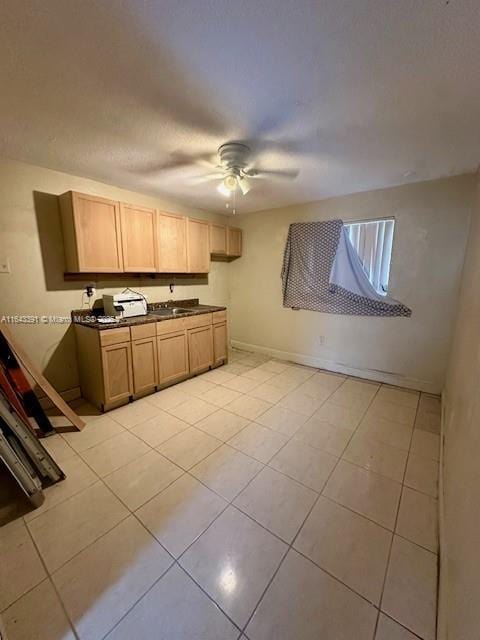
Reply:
x=31, y=238
x=430, y=236
x=432, y=220
x=460, y=522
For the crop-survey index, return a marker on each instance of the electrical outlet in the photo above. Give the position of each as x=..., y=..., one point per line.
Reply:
x=321, y=340
x=5, y=266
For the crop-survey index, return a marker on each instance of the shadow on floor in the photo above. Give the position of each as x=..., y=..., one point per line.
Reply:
x=13, y=502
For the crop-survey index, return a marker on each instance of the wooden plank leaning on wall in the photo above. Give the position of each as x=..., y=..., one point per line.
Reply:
x=40, y=379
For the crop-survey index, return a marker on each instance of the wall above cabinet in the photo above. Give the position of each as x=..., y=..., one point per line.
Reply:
x=102, y=236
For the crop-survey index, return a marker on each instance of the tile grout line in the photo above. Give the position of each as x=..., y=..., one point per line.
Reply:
x=54, y=586
x=188, y=425
x=98, y=479
x=229, y=503
x=412, y=633
x=290, y=546
x=130, y=513
x=177, y=560
x=174, y=559
x=380, y=610
x=27, y=522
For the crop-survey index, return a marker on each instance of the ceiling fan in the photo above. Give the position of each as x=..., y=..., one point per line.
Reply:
x=235, y=172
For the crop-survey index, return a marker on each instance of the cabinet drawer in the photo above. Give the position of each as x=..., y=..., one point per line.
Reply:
x=192, y=322
x=219, y=316
x=169, y=326
x=114, y=336
x=143, y=331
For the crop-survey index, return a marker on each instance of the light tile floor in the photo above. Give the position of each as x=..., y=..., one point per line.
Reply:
x=261, y=500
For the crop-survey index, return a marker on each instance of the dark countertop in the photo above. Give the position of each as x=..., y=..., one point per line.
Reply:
x=88, y=317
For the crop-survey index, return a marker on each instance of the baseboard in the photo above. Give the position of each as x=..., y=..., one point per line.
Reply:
x=442, y=629
x=69, y=396
x=336, y=367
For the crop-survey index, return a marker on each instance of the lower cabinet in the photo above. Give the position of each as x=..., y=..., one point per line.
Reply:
x=200, y=348
x=144, y=360
x=120, y=364
x=117, y=372
x=172, y=356
x=220, y=349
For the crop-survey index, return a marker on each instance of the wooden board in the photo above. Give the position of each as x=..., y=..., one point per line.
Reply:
x=40, y=379
x=12, y=397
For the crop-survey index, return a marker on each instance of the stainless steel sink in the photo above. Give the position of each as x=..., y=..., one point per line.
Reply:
x=172, y=311
x=182, y=310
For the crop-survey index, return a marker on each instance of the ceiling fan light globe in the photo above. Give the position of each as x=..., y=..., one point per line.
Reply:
x=231, y=182
x=244, y=185
x=223, y=190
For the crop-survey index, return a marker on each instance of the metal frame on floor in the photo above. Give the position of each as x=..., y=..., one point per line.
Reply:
x=25, y=457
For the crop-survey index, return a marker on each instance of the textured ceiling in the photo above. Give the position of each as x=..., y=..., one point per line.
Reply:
x=356, y=94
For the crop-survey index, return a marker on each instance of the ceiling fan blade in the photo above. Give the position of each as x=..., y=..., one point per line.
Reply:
x=286, y=174
x=179, y=160
x=207, y=178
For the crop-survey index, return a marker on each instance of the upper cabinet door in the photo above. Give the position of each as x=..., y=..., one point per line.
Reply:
x=234, y=242
x=92, y=236
x=198, y=246
x=172, y=243
x=218, y=239
x=139, y=226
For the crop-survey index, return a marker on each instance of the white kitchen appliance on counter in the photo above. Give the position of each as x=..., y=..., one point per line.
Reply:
x=126, y=305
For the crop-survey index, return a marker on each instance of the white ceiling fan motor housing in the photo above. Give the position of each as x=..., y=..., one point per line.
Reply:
x=234, y=156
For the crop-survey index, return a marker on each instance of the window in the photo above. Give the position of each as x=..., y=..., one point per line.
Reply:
x=373, y=240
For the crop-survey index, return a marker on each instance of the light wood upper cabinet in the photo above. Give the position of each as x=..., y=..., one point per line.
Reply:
x=234, y=242
x=139, y=238
x=218, y=239
x=198, y=246
x=105, y=236
x=92, y=234
x=171, y=243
